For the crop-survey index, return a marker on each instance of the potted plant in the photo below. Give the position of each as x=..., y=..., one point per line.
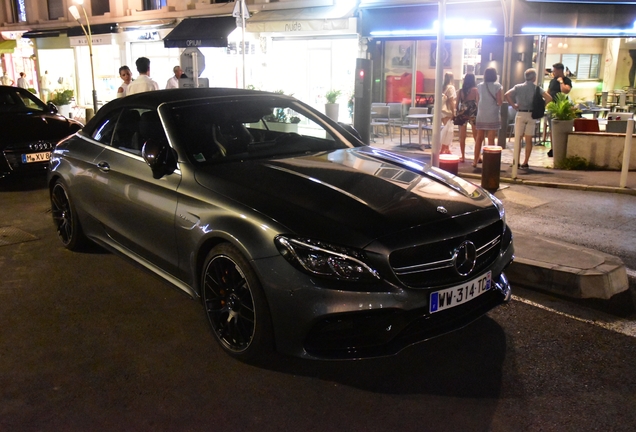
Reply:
x=331, y=107
x=62, y=100
x=563, y=112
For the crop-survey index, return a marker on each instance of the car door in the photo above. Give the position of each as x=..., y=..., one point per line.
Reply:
x=136, y=210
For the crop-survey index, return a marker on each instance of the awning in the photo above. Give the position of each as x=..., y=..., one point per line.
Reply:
x=95, y=29
x=7, y=46
x=34, y=34
x=201, y=32
x=299, y=20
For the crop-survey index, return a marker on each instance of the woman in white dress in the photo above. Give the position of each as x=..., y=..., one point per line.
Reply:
x=126, y=75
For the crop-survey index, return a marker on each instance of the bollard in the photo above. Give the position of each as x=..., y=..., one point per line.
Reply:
x=449, y=162
x=491, y=168
x=89, y=114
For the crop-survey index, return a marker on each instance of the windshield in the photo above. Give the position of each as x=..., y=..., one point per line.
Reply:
x=250, y=128
x=16, y=101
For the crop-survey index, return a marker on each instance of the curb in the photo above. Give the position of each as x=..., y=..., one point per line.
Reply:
x=565, y=269
x=571, y=186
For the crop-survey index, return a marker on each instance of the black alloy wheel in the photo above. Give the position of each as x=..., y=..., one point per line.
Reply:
x=65, y=219
x=235, y=304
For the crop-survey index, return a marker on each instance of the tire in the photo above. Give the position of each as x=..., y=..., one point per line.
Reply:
x=65, y=219
x=235, y=304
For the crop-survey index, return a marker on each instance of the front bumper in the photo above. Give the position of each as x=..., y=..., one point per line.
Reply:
x=315, y=319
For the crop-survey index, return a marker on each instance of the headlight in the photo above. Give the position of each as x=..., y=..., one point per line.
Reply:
x=500, y=207
x=326, y=260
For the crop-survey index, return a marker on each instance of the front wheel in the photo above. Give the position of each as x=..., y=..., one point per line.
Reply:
x=68, y=227
x=235, y=304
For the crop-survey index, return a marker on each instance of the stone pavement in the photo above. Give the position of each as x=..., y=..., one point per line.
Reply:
x=542, y=263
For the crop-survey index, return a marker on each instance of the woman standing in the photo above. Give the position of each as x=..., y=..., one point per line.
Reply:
x=448, y=109
x=466, y=111
x=488, y=119
x=126, y=75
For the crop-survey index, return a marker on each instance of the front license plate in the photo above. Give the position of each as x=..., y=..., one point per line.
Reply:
x=455, y=296
x=36, y=157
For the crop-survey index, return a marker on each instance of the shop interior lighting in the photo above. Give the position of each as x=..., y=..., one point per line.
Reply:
x=583, y=31
x=452, y=27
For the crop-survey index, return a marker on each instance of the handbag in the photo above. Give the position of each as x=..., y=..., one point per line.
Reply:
x=538, y=105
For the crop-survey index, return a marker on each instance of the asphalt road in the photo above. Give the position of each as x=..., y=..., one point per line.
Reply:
x=89, y=341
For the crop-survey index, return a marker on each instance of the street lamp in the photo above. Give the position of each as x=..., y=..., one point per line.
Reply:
x=76, y=15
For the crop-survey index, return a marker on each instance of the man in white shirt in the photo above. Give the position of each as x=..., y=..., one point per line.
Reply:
x=22, y=82
x=45, y=86
x=174, y=81
x=6, y=80
x=143, y=83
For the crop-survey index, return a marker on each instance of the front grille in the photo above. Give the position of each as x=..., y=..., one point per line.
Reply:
x=431, y=264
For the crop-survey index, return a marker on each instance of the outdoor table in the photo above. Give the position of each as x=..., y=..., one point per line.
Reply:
x=420, y=120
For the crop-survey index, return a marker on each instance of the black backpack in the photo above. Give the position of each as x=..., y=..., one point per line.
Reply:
x=538, y=104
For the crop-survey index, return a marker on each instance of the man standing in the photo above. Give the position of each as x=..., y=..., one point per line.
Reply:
x=45, y=86
x=143, y=83
x=22, y=82
x=520, y=97
x=559, y=84
x=174, y=81
x=6, y=80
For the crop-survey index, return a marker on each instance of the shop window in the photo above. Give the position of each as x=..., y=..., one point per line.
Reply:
x=19, y=11
x=154, y=4
x=56, y=9
x=100, y=7
x=580, y=66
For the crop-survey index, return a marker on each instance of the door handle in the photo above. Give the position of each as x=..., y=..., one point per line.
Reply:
x=103, y=166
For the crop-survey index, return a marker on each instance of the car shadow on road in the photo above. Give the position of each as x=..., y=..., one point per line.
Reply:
x=464, y=364
x=23, y=183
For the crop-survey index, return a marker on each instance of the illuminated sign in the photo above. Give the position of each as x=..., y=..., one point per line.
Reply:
x=582, y=31
x=452, y=27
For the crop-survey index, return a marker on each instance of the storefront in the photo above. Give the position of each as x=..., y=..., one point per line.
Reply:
x=595, y=42
x=306, y=52
x=402, y=42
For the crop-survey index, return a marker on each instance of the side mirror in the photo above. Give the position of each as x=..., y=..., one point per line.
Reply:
x=350, y=129
x=52, y=107
x=160, y=157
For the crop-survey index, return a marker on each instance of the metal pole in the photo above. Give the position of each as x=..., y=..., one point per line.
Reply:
x=439, y=78
x=243, y=33
x=90, y=52
x=627, y=152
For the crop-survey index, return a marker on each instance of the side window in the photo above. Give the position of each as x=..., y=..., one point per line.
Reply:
x=126, y=136
x=104, y=132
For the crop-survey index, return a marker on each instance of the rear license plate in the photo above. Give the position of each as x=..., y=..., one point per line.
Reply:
x=455, y=296
x=36, y=157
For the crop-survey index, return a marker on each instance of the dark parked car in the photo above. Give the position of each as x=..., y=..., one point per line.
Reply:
x=30, y=129
x=293, y=234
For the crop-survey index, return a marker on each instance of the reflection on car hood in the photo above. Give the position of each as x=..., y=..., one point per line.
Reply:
x=35, y=126
x=365, y=193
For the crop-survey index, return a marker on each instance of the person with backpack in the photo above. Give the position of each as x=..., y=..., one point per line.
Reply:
x=521, y=98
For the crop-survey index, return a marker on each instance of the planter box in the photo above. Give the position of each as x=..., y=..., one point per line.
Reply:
x=283, y=127
x=602, y=149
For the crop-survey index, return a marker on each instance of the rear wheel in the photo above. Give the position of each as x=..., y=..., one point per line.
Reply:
x=65, y=219
x=235, y=304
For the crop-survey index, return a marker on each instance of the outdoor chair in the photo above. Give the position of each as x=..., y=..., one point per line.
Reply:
x=412, y=124
x=380, y=120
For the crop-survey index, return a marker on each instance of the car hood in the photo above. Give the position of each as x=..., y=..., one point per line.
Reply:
x=36, y=126
x=360, y=194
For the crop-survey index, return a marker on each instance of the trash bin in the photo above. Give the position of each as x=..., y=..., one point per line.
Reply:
x=449, y=162
x=491, y=168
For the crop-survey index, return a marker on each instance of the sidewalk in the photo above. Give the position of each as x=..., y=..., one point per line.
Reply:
x=540, y=173
x=544, y=264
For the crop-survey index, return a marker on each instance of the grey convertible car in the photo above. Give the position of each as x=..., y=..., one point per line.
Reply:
x=294, y=235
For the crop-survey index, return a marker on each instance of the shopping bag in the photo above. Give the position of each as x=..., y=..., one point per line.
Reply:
x=447, y=133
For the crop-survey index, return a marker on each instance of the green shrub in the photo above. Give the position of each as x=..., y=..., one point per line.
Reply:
x=332, y=96
x=62, y=98
x=577, y=163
